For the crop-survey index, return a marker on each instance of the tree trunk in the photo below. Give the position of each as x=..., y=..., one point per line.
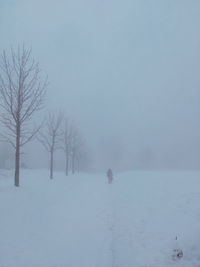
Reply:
x=17, y=156
x=73, y=163
x=51, y=165
x=67, y=164
x=78, y=167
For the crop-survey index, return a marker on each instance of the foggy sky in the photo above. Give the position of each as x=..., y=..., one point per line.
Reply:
x=128, y=73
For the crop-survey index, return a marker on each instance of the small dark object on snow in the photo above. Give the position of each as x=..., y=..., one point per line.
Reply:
x=110, y=176
x=177, y=254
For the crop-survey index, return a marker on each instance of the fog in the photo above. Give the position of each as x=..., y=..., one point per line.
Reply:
x=126, y=72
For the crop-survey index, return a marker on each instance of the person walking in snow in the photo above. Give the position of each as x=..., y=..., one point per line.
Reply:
x=110, y=176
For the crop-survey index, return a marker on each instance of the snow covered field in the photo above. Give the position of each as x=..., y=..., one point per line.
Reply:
x=81, y=221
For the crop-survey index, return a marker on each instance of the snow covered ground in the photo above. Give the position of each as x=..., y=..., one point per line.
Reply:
x=82, y=221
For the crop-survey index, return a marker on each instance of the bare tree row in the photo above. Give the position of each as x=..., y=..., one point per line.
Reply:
x=58, y=133
x=22, y=92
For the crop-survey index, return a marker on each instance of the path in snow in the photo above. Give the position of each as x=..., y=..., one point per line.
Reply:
x=82, y=221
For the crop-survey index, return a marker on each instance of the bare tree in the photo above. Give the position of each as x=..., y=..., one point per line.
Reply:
x=21, y=95
x=50, y=136
x=66, y=144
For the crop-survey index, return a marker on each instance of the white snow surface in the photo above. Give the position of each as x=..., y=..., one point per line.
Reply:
x=82, y=221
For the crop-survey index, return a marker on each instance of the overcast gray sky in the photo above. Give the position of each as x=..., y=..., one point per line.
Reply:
x=128, y=72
